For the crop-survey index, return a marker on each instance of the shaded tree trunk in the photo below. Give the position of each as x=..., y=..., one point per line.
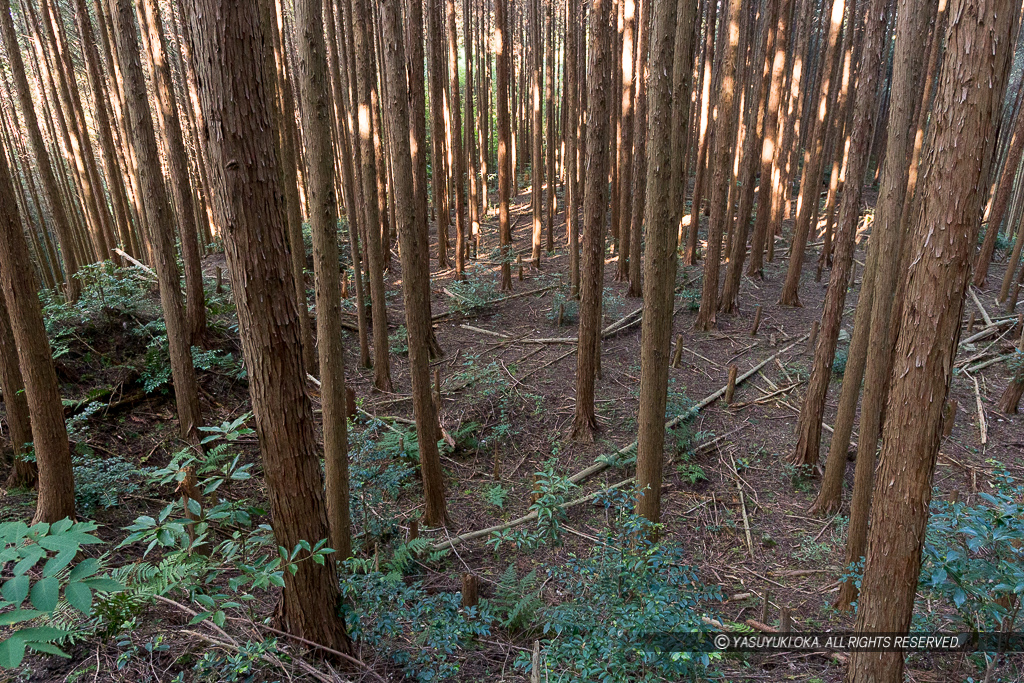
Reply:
x=595, y=202
x=23, y=472
x=161, y=222
x=231, y=53
x=970, y=89
x=638, y=199
x=415, y=267
x=314, y=93
x=662, y=218
x=56, y=498
x=502, y=48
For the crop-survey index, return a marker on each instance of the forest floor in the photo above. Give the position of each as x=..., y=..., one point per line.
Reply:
x=737, y=511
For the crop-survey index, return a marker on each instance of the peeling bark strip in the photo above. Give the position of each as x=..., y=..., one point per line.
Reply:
x=232, y=54
x=970, y=89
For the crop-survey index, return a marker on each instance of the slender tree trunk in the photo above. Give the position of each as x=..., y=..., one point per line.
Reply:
x=691, y=255
x=56, y=498
x=809, y=426
x=721, y=212
x=761, y=63
x=457, y=159
x=364, y=79
x=810, y=183
x=23, y=472
x=293, y=204
x=999, y=205
x=435, y=71
x=314, y=93
x=502, y=47
x=594, y=210
x=572, y=141
x=158, y=210
x=549, y=97
x=970, y=90
x=537, y=137
x=415, y=268
x=174, y=144
x=625, y=88
x=662, y=217
x=638, y=199
x=61, y=221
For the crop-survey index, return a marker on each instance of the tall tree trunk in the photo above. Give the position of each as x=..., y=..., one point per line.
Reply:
x=435, y=70
x=56, y=498
x=761, y=63
x=638, y=199
x=721, y=212
x=364, y=79
x=232, y=55
x=502, y=48
x=537, y=137
x=549, y=97
x=23, y=472
x=999, y=205
x=572, y=141
x=415, y=267
x=158, y=210
x=595, y=203
x=810, y=183
x=970, y=90
x=285, y=120
x=625, y=172
x=809, y=425
x=691, y=255
x=911, y=22
x=174, y=144
x=458, y=165
x=314, y=93
x=662, y=218
x=61, y=220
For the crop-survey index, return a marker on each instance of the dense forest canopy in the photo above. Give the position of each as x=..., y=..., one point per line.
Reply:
x=291, y=290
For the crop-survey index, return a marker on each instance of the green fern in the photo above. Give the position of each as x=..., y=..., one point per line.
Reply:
x=519, y=599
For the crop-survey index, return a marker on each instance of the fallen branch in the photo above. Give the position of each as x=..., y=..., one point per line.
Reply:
x=981, y=309
x=500, y=299
x=982, y=425
x=606, y=462
x=136, y=263
x=469, y=536
x=991, y=329
x=743, y=506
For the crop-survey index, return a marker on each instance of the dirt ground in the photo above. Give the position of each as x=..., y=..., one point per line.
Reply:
x=793, y=560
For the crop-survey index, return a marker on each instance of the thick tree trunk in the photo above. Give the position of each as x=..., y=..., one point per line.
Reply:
x=595, y=203
x=415, y=268
x=970, y=89
x=721, y=212
x=177, y=158
x=56, y=498
x=161, y=222
x=662, y=218
x=911, y=22
x=691, y=254
x=537, y=132
x=233, y=58
x=314, y=93
x=549, y=132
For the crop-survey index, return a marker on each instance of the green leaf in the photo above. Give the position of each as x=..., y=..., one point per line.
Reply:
x=44, y=594
x=19, y=615
x=48, y=648
x=61, y=526
x=80, y=597
x=85, y=568
x=12, y=651
x=58, y=562
x=42, y=634
x=16, y=590
x=32, y=554
x=105, y=584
